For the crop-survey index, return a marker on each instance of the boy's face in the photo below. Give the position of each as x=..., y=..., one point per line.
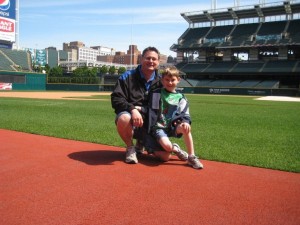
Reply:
x=170, y=82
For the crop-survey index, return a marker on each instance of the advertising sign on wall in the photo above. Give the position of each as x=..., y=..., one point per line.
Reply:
x=41, y=57
x=5, y=86
x=8, y=20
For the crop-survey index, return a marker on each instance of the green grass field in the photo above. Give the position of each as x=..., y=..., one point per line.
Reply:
x=232, y=129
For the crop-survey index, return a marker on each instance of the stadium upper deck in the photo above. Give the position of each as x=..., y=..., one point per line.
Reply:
x=273, y=31
x=244, y=12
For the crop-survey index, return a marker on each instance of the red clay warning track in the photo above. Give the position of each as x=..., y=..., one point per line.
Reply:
x=45, y=180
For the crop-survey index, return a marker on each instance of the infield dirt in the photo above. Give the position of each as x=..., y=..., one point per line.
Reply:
x=70, y=95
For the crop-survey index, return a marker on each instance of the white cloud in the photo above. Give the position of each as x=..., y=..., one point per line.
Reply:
x=54, y=3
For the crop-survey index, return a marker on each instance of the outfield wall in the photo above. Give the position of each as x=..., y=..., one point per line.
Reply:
x=38, y=81
x=243, y=91
x=192, y=90
x=24, y=80
x=79, y=87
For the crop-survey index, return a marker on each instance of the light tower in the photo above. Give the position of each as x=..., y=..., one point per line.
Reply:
x=17, y=43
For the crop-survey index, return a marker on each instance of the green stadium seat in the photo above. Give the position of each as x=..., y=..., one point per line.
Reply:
x=5, y=63
x=20, y=59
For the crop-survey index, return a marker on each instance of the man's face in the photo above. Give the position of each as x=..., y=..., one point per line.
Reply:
x=150, y=61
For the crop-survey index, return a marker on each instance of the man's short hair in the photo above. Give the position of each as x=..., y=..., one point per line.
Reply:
x=151, y=49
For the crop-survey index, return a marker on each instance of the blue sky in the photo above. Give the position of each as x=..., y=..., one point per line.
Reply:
x=110, y=23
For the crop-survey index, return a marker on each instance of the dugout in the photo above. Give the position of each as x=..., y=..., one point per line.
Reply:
x=24, y=80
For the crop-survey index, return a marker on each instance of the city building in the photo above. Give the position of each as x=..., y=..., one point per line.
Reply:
x=76, y=54
x=131, y=58
x=85, y=53
x=103, y=51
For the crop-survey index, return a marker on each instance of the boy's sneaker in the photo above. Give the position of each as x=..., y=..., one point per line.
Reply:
x=194, y=162
x=182, y=155
x=131, y=155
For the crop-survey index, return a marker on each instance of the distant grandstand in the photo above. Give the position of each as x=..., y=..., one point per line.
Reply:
x=244, y=47
x=15, y=60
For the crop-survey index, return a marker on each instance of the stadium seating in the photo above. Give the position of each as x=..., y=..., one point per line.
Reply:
x=272, y=28
x=203, y=83
x=195, y=33
x=5, y=63
x=240, y=34
x=264, y=33
x=192, y=82
x=248, y=83
x=224, y=83
x=279, y=66
x=222, y=67
x=232, y=83
x=18, y=60
x=293, y=31
x=184, y=83
x=268, y=37
x=248, y=67
x=194, y=67
x=192, y=36
x=268, y=84
x=180, y=65
x=297, y=67
x=219, y=33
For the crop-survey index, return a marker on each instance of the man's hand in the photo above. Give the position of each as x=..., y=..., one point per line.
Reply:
x=139, y=108
x=137, y=119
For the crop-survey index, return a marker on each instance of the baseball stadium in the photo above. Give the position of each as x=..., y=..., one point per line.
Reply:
x=251, y=50
x=62, y=160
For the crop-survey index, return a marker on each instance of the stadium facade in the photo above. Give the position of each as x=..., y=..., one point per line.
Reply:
x=9, y=23
x=252, y=46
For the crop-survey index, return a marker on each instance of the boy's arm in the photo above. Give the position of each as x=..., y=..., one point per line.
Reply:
x=184, y=111
x=182, y=115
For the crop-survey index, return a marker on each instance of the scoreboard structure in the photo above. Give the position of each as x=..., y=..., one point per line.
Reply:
x=9, y=23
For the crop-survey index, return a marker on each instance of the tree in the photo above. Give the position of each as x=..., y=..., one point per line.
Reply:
x=103, y=69
x=93, y=72
x=84, y=72
x=56, y=72
x=121, y=70
x=112, y=70
x=47, y=68
x=77, y=72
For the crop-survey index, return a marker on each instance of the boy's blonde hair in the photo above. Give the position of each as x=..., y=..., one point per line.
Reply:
x=170, y=71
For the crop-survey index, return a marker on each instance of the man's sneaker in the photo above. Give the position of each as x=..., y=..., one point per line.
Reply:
x=182, y=155
x=131, y=155
x=139, y=148
x=194, y=162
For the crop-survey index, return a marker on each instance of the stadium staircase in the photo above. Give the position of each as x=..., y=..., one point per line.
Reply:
x=6, y=63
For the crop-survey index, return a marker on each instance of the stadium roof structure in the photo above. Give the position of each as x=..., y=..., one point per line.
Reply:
x=272, y=9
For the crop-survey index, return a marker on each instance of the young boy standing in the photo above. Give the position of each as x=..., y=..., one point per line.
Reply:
x=169, y=117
